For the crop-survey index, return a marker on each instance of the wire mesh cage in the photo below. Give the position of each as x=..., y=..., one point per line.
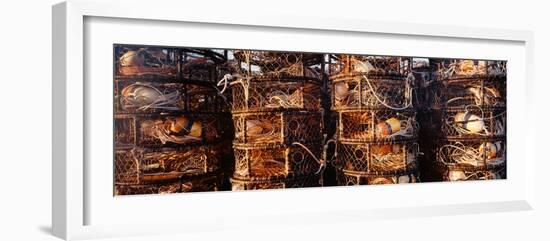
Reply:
x=343, y=64
x=179, y=130
x=276, y=161
x=252, y=94
x=239, y=184
x=203, y=64
x=377, y=125
x=449, y=69
x=152, y=188
x=153, y=97
x=473, y=122
x=278, y=127
x=474, y=91
x=366, y=91
x=198, y=183
x=376, y=158
x=472, y=154
x=138, y=166
x=347, y=178
x=458, y=173
x=125, y=131
x=161, y=63
x=269, y=64
x=146, y=61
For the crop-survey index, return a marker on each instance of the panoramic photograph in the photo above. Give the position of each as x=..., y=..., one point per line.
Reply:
x=190, y=119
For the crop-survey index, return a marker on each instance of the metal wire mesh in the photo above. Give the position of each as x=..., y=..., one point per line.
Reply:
x=473, y=122
x=146, y=61
x=278, y=127
x=276, y=94
x=364, y=64
x=467, y=68
x=278, y=64
x=295, y=182
x=369, y=158
x=377, y=125
x=185, y=129
x=276, y=160
x=345, y=178
x=359, y=91
x=453, y=173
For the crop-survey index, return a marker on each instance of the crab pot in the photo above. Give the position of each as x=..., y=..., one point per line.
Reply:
x=143, y=165
x=376, y=158
x=455, y=69
x=380, y=125
x=239, y=184
x=483, y=91
x=487, y=153
x=276, y=161
x=198, y=183
x=342, y=64
x=158, y=130
x=145, y=97
x=270, y=94
x=146, y=61
x=278, y=64
x=462, y=173
x=161, y=63
x=370, y=90
x=473, y=122
x=152, y=188
x=347, y=178
x=278, y=127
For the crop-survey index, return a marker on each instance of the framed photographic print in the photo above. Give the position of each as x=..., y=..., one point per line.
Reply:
x=158, y=114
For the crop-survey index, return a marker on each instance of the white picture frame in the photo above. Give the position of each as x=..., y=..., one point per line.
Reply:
x=72, y=192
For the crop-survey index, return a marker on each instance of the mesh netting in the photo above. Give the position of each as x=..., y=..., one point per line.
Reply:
x=296, y=182
x=126, y=167
x=157, y=188
x=276, y=160
x=143, y=61
x=153, y=165
x=371, y=91
x=201, y=183
x=278, y=64
x=151, y=97
x=479, y=91
x=473, y=122
x=376, y=65
x=278, y=127
x=125, y=131
x=467, y=68
x=454, y=173
x=376, y=157
x=472, y=154
x=202, y=64
x=180, y=130
x=344, y=178
x=377, y=125
x=277, y=94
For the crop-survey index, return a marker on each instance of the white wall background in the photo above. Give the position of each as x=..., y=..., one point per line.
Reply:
x=25, y=120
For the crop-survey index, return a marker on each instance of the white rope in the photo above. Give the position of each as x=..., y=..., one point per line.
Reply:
x=408, y=93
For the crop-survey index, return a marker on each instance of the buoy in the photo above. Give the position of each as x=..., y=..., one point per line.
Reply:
x=182, y=123
x=381, y=180
x=472, y=123
x=388, y=127
x=456, y=175
x=132, y=59
x=490, y=149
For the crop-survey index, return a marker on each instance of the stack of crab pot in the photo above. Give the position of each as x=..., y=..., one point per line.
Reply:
x=376, y=133
x=277, y=117
x=169, y=120
x=469, y=101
